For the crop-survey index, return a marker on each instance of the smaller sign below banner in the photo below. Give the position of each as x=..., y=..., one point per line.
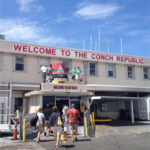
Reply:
x=60, y=87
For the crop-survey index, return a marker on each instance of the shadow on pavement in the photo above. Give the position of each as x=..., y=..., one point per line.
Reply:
x=3, y=134
x=83, y=140
x=68, y=146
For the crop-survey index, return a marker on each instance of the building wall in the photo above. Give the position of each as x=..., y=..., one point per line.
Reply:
x=32, y=74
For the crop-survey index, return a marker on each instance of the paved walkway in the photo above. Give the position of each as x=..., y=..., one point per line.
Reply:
x=102, y=130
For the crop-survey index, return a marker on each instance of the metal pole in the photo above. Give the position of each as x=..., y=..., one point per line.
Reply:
x=85, y=123
x=24, y=130
x=10, y=102
x=95, y=45
x=132, y=112
x=83, y=44
x=91, y=43
x=98, y=43
x=121, y=45
x=20, y=131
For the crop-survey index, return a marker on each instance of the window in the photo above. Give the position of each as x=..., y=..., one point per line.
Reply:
x=92, y=69
x=19, y=63
x=18, y=104
x=111, y=70
x=130, y=72
x=67, y=65
x=146, y=72
x=42, y=61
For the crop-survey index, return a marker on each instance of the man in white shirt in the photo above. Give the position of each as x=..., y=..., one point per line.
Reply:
x=43, y=72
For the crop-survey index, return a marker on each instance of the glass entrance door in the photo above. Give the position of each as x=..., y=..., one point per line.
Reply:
x=61, y=101
x=76, y=102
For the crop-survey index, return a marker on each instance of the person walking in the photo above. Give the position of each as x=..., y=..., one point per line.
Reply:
x=47, y=112
x=65, y=120
x=57, y=128
x=73, y=116
x=43, y=71
x=40, y=123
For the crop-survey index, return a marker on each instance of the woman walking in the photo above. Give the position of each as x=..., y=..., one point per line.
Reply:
x=64, y=119
x=40, y=123
x=57, y=128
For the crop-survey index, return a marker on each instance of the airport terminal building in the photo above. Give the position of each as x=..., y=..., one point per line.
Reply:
x=116, y=82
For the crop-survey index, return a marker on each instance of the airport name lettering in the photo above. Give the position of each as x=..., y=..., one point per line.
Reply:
x=76, y=54
x=65, y=87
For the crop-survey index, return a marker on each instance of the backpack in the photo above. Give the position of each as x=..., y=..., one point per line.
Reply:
x=34, y=120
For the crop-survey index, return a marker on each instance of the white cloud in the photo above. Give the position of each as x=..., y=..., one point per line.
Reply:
x=26, y=31
x=62, y=19
x=96, y=11
x=27, y=5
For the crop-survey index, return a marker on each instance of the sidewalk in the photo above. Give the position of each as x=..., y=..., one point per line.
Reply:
x=122, y=128
x=112, y=129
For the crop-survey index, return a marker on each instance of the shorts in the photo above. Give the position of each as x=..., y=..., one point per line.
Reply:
x=38, y=126
x=57, y=130
x=73, y=77
x=46, y=123
x=73, y=126
x=76, y=77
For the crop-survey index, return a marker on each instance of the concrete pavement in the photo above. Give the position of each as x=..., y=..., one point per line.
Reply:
x=108, y=136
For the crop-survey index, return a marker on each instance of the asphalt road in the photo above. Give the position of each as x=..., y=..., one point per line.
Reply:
x=127, y=142
x=107, y=138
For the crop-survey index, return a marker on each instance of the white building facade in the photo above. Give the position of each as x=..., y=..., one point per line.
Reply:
x=122, y=82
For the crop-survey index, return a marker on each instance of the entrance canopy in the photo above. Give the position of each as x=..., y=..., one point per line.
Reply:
x=58, y=93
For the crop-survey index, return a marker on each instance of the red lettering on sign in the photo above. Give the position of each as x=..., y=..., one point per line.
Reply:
x=41, y=50
x=35, y=50
x=30, y=50
x=24, y=48
x=17, y=47
x=62, y=51
x=67, y=53
x=50, y=51
x=93, y=56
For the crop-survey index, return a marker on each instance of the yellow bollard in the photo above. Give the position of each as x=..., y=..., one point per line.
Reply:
x=91, y=121
x=24, y=130
x=86, y=129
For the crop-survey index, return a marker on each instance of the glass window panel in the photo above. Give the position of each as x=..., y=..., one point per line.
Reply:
x=66, y=65
x=92, y=69
x=19, y=63
x=111, y=70
x=146, y=73
x=130, y=72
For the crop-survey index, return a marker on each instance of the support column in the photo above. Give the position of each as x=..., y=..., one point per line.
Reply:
x=132, y=112
x=24, y=111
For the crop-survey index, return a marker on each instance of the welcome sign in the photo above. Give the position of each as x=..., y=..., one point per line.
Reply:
x=75, y=54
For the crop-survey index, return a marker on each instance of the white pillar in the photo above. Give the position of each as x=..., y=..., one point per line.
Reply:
x=132, y=112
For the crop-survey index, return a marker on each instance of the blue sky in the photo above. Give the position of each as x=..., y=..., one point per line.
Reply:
x=67, y=23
